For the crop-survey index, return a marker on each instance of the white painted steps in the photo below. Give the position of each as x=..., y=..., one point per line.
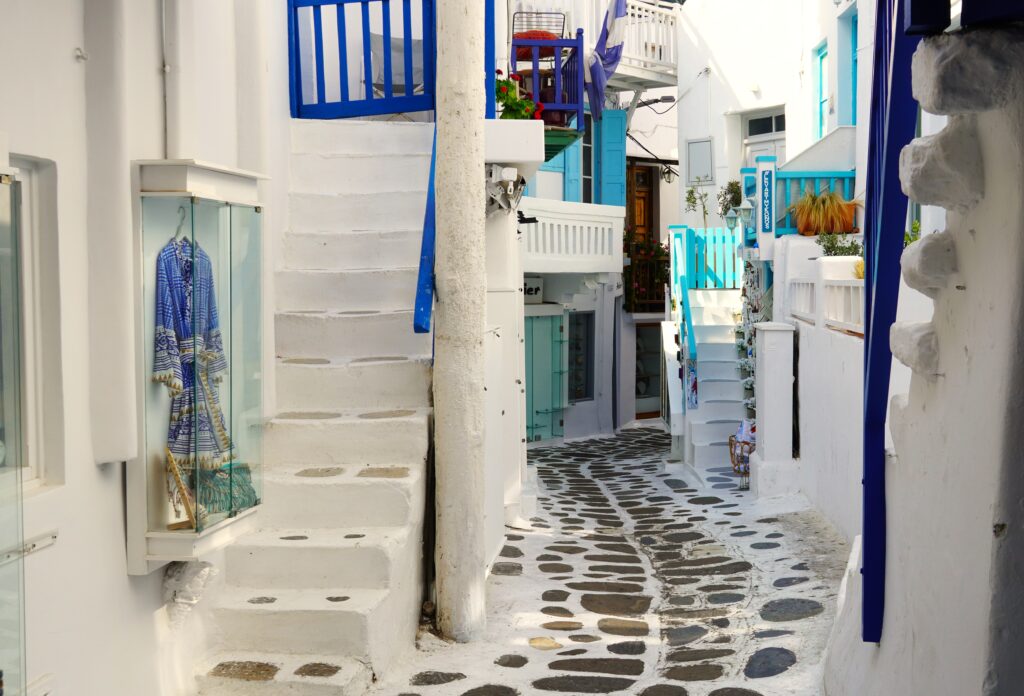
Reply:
x=334, y=576
x=378, y=382
x=720, y=389
x=288, y=675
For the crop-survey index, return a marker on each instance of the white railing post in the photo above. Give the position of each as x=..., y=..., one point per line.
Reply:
x=772, y=468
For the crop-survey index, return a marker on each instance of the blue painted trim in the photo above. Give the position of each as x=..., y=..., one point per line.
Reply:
x=836, y=174
x=854, y=63
x=821, y=87
x=748, y=170
x=766, y=158
x=490, y=57
x=369, y=104
x=424, y=304
x=893, y=123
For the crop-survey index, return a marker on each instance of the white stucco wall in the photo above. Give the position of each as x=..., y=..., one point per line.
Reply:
x=54, y=109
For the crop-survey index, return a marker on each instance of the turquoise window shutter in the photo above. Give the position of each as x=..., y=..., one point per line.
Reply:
x=571, y=176
x=612, y=148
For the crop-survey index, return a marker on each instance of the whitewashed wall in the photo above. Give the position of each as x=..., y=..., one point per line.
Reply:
x=84, y=120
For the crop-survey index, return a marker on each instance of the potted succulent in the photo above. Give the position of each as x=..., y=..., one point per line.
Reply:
x=824, y=213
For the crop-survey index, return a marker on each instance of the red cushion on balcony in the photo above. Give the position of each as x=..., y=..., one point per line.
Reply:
x=525, y=53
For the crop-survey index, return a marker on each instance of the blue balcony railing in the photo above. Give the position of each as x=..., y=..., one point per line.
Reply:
x=563, y=100
x=791, y=186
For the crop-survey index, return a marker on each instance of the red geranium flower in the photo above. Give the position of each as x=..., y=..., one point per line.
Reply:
x=499, y=72
x=536, y=115
x=514, y=77
x=504, y=89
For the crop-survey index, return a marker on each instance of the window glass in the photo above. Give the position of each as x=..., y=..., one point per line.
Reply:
x=780, y=123
x=10, y=332
x=759, y=126
x=581, y=356
x=699, y=162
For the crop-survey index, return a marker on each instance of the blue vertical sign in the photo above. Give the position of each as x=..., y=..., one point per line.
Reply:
x=767, y=201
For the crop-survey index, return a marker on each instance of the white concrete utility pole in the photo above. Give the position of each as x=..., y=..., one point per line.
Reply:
x=461, y=283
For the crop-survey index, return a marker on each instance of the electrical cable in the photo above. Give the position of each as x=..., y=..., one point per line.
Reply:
x=657, y=159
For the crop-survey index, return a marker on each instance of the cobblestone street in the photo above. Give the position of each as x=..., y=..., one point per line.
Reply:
x=638, y=581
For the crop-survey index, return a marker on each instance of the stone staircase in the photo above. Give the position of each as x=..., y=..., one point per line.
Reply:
x=719, y=380
x=328, y=592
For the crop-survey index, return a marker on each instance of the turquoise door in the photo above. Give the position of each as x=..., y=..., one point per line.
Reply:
x=545, y=376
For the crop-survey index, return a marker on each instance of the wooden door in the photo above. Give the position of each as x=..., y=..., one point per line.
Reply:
x=640, y=201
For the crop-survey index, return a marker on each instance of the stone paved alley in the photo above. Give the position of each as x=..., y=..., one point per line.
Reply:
x=636, y=580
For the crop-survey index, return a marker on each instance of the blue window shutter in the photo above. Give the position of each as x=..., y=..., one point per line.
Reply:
x=612, y=148
x=571, y=177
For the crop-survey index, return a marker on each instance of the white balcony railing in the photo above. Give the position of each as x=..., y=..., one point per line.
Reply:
x=649, y=43
x=844, y=305
x=802, y=293
x=572, y=237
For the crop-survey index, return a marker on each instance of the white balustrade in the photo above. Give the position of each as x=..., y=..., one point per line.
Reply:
x=802, y=292
x=844, y=305
x=650, y=37
x=572, y=237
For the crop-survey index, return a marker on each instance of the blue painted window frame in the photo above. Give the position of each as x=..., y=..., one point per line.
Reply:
x=821, y=90
x=854, y=46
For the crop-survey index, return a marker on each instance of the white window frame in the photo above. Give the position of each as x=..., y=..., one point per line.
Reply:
x=33, y=415
x=691, y=180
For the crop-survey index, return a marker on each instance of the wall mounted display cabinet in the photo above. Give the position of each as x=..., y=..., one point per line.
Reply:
x=197, y=481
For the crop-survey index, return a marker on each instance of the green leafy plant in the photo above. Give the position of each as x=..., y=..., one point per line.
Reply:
x=839, y=245
x=514, y=106
x=913, y=234
x=697, y=199
x=729, y=196
x=645, y=277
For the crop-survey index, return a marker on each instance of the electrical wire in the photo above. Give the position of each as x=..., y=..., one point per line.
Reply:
x=657, y=159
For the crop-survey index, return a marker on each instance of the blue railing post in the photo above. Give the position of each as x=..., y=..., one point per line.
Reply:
x=424, y=305
x=490, y=57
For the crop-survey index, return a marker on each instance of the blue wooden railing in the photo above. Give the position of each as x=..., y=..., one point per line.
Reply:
x=397, y=72
x=714, y=258
x=680, y=289
x=568, y=92
x=791, y=186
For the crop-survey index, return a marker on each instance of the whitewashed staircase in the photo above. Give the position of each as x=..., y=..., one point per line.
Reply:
x=719, y=379
x=328, y=592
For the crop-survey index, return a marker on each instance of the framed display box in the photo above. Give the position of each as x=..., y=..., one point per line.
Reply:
x=197, y=481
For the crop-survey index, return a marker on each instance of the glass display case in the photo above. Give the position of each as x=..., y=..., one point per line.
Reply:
x=201, y=370
x=12, y=656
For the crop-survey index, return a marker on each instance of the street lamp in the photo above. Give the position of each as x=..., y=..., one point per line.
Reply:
x=730, y=218
x=746, y=212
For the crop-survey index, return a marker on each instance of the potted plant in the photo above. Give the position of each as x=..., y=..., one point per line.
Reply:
x=824, y=213
x=513, y=106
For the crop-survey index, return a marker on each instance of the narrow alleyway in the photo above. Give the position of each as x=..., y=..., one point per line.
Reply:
x=633, y=581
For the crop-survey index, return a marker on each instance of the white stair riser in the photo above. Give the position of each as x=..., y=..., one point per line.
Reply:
x=713, y=315
x=386, y=289
x=311, y=212
x=351, y=250
x=361, y=137
x=705, y=433
x=715, y=333
x=393, y=384
x=355, y=685
x=717, y=411
x=346, y=442
x=304, y=566
x=711, y=455
x=718, y=370
x=732, y=299
x=296, y=502
x=331, y=174
x=721, y=391
x=302, y=631
x=717, y=351
x=348, y=336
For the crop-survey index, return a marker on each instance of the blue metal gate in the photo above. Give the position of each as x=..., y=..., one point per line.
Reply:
x=360, y=57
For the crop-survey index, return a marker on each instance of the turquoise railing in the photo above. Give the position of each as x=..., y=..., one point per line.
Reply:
x=791, y=186
x=713, y=258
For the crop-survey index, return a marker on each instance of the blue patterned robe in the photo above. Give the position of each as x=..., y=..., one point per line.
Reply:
x=189, y=357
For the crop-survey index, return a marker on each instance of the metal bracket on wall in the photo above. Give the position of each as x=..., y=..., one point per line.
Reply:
x=32, y=545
